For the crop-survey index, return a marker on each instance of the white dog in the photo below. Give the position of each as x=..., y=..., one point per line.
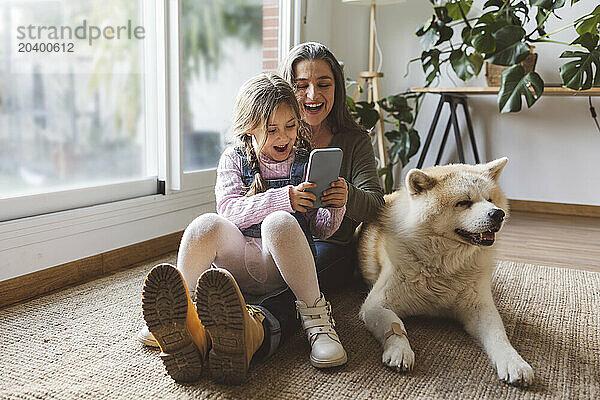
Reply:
x=428, y=253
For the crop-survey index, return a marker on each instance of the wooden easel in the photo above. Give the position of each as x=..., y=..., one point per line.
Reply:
x=371, y=78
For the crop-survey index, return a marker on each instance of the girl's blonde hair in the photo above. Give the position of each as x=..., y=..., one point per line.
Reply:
x=256, y=100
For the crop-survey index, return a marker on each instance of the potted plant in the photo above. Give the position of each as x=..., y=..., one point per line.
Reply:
x=497, y=34
x=404, y=142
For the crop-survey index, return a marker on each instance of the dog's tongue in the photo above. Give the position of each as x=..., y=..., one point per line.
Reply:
x=488, y=235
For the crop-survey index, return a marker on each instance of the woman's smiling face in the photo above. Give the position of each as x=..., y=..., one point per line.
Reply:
x=315, y=90
x=280, y=135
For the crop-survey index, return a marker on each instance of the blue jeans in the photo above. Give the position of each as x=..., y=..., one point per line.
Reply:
x=335, y=269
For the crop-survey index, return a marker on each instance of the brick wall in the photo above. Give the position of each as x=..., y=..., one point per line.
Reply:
x=270, y=34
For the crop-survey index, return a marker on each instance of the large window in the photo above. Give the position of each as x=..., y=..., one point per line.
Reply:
x=71, y=94
x=222, y=46
x=90, y=95
x=110, y=100
x=111, y=104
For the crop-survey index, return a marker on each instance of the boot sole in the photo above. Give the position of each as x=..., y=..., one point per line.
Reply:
x=328, y=364
x=221, y=310
x=165, y=305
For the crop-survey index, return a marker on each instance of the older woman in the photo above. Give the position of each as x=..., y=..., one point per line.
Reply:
x=320, y=88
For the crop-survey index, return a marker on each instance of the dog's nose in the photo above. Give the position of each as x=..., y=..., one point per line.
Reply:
x=496, y=214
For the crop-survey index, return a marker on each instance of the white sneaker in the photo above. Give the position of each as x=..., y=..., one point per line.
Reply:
x=327, y=350
x=145, y=337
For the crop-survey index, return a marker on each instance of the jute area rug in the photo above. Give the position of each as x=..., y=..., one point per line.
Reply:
x=79, y=344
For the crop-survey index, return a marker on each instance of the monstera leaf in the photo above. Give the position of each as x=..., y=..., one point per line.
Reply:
x=430, y=60
x=589, y=23
x=363, y=112
x=429, y=36
x=548, y=4
x=367, y=115
x=481, y=36
x=466, y=66
x=509, y=11
x=579, y=74
x=454, y=8
x=545, y=9
x=435, y=30
x=587, y=40
x=516, y=84
x=397, y=107
x=484, y=43
x=510, y=49
x=405, y=143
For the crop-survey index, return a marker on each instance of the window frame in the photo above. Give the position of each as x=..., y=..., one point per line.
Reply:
x=28, y=206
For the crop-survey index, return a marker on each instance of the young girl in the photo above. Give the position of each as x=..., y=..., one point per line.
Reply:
x=261, y=238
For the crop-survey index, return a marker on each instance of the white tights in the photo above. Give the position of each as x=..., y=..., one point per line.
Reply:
x=282, y=257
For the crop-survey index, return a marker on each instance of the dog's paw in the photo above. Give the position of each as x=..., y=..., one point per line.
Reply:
x=514, y=370
x=397, y=354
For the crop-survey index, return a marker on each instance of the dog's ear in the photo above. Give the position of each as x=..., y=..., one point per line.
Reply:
x=418, y=181
x=493, y=169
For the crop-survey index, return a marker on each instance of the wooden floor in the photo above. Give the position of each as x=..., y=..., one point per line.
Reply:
x=549, y=239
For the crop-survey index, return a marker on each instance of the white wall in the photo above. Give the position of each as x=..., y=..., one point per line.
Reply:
x=553, y=148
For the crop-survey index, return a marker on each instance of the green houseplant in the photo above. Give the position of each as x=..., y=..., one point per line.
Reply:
x=497, y=34
x=403, y=139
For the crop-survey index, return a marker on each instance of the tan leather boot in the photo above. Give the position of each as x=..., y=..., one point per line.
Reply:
x=326, y=349
x=172, y=320
x=235, y=329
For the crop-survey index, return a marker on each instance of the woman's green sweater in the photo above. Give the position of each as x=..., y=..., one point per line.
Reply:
x=359, y=169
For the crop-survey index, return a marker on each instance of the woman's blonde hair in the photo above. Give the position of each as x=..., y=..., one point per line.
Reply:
x=256, y=100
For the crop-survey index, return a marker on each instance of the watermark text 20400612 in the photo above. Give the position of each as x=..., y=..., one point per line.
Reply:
x=84, y=31
x=44, y=47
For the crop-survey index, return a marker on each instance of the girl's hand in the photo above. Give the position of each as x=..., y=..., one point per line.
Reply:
x=337, y=195
x=301, y=200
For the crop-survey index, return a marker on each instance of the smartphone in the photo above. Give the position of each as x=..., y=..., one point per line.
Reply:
x=323, y=169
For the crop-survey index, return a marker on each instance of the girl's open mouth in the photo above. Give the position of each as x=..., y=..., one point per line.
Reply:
x=281, y=149
x=313, y=108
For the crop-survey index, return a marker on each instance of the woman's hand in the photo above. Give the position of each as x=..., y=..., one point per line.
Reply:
x=301, y=200
x=337, y=195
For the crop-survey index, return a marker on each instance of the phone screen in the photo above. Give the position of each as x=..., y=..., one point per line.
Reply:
x=323, y=169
